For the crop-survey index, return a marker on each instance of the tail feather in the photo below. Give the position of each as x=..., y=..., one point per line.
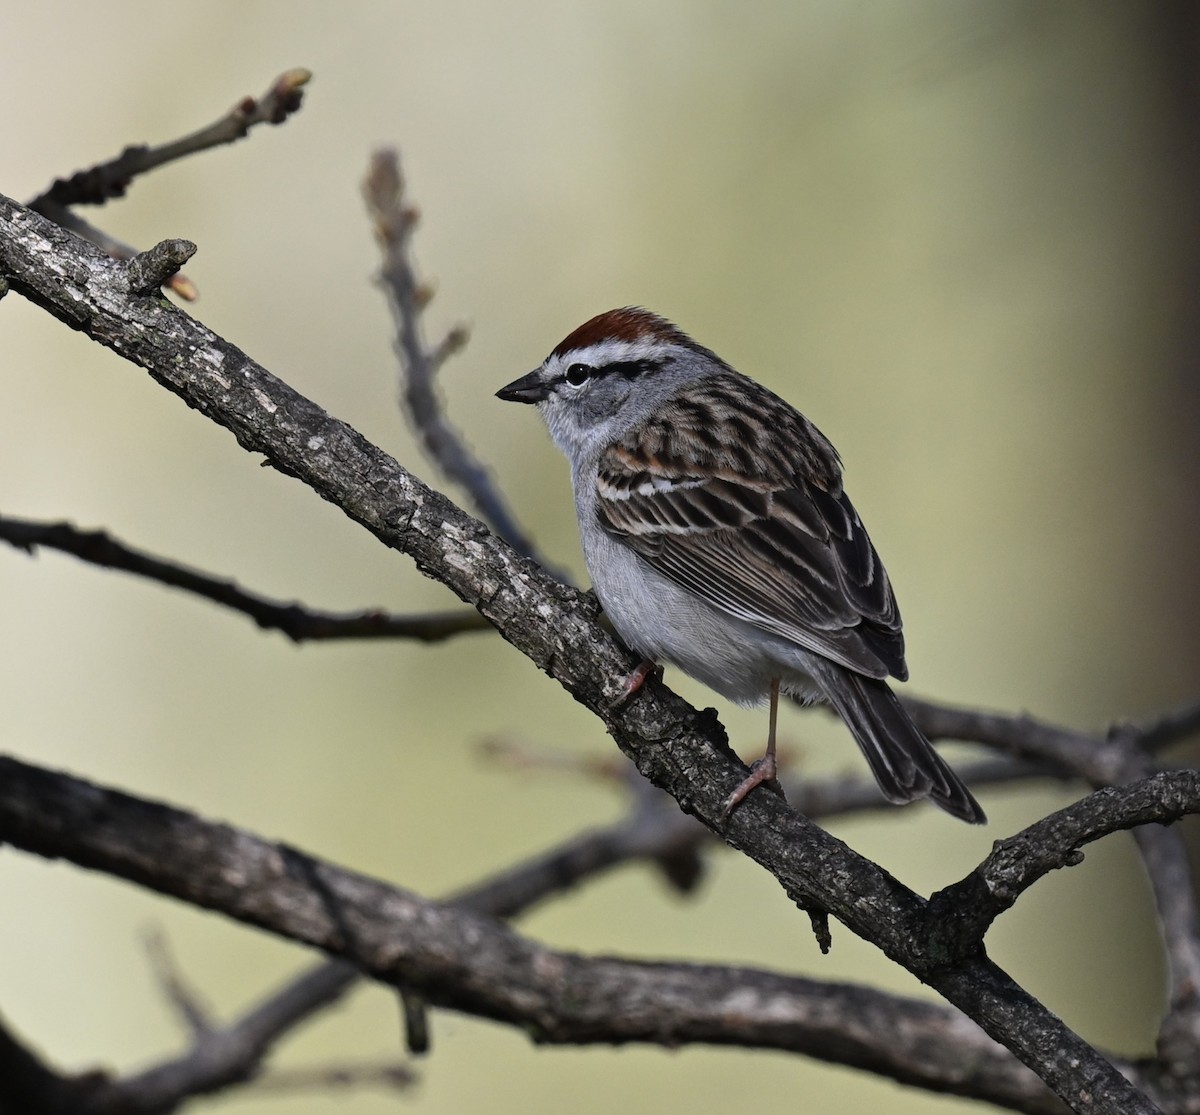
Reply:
x=904, y=762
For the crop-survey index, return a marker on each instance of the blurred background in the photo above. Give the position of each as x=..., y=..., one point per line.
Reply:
x=960, y=237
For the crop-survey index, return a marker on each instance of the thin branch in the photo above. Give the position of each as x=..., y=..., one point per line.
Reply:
x=394, y=219
x=1168, y=729
x=224, y=1056
x=1119, y=757
x=184, y=998
x=177, y=283
x=392, y=1078
x=1027, y=737
x=101, y=183
x=300, y=623
x=1019, y=861
x=108, y=180
x=297, y=622
x=1165, y=855
x=1102, y=759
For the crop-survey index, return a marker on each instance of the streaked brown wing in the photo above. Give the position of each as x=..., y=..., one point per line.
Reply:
x=752, y=518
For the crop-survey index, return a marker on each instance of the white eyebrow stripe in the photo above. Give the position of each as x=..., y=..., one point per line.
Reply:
x=613, y=352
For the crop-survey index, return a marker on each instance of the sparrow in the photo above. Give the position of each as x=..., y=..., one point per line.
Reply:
x=719, y=540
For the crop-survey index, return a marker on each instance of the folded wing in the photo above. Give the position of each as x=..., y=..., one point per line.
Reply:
x=736, y=497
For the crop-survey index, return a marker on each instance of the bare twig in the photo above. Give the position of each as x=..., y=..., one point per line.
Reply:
x=157, y=266
x=1165, y=857
x=392, y=1078
x=1170, y=728
x=111, y=179
x=394, y=219
x=297, y=622
x=1120, y=756
x=178, y=283
x=1021, y=735
x=1101, y=759
x=223, y=1056
x=1018, y=861
x=186, y=1000
x=101, y=183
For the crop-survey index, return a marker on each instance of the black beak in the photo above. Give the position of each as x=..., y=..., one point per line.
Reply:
x=527, y=389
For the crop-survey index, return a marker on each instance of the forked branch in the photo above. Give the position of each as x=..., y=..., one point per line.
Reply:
x=680, y=750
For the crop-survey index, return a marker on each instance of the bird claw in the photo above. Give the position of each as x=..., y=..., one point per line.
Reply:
x=762, y=773
x=636, y=680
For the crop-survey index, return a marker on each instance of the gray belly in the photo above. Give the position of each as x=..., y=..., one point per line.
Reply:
x=662, y=621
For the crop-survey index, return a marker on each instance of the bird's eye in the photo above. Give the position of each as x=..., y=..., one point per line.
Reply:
x=578, y=374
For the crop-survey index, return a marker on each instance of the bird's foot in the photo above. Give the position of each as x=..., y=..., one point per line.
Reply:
x=636, y=680
x=762, y=773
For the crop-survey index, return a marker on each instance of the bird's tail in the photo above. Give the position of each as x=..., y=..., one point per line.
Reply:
x=904, y=762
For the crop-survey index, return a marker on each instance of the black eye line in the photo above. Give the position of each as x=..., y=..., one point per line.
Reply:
x=628, y=369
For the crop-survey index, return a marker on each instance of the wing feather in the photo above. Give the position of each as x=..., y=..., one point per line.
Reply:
x=735, y=496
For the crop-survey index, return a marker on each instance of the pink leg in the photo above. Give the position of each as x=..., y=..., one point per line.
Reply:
x=636, y=680
x=763, y=772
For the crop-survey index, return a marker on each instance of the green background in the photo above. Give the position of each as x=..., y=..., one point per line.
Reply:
x=958, y=236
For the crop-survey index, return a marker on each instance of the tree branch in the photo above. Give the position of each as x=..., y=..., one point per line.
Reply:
x=680, y=750
x=391, y=1078
x=297, y=622
x=105, y=181
x=394, y=220
x=1100, y=759
x=461, y=960
x=101, y=183
x=1119, y=757
x=655, y=832
x=1019, y=861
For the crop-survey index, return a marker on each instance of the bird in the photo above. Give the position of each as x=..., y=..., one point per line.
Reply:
x=719, y=540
